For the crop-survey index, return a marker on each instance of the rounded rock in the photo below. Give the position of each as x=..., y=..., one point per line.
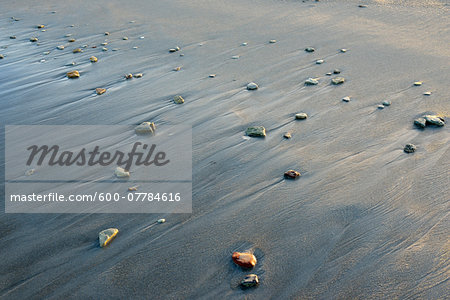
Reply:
x=145, y=128
x=60, y=47
x=106, y=236
x=73, y=74
x=320, y=61
x=250, y=280
x=77, y=50
x=386, y=103
x=287, y=135
x=245, y=260
x=121, y=173
x=409, y=148
x=301, y=116
x=93, y=59
x=128, y=76
x=291, y=174
x=100, y=91
x=33, y=39
x=338, y=80
x=252, y=86
x=311, y=81
x=310, y=49
x=256, y=131
x=346, y=99
x=178, y=99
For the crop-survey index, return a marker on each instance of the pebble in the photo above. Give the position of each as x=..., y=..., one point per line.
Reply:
x=138, y=75
x=84, y=46
x=301, y=116
x=291, y=174
x=93, y=59
x=362, y=6
x=142, y=37
x=250, y=280
x=46, y=52
x=386, y=103
x=235, y=57
x=244, y=44
x=346, y=99
x=178, y=99
x=212, y=75
x=132, y=188
x=114, y=49
x=33, y=39
x=121, y=173
x=245, y=260
x=40, y=26
x=100, y=91
x=60, y=47
x=105, y=49
x=2, y=56
x=380, y=106
x=13, y=37
x=287, y=135
x=256, y=131
x=338, y=80
x=104, y=43
x=434, y=120
x=311, y=81
x=77, y=50
x=160, y=221
x=135, y=47
x=145, y=128
x=418, y=83
x=106, y=236
x=106, y=33
x=71, y=40
x=128, y=76
x=272, y=41
x=30, y=172
x=427, y=94
x=174, y=49
x=252, y=86
x=73, y=74
x=420, y=122
x=329, y=74
x=125, y=38
x=68, y=35
x=409, y=148
x=176, y=69
x=310, y=49
x=320, y=61
x=337, y=71
x=343, y=50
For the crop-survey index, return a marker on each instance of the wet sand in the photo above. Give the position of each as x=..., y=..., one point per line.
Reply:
x=365, y=220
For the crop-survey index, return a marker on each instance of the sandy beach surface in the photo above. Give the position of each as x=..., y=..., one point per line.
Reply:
x=364, y=221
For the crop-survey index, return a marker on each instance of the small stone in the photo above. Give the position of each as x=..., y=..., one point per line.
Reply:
x=346, y=99
x=380, y=106
x=245, y=260
x=43, y=30
x=212, y=75
x=71, y=40
x=291, y=174
x=30, y=172
x=105, y=49
x=420, y=122
x=104, y=44
x=142, y=37
x=132, y=188
x=250, y=280
x=40, y=26
x=145, y=128
x=235, y=57
x=252, y=86
x=106, y=236
x=256, y=131
x=160, y=221
x=418, y=83
x=172, y=50
x=337, y=71
x=310, y=49
x=128, y=76
x=272, y=41
x=320, y=61
x=125, y=38
x=72, y=25
x=106, y=33
x=60, y=47
x=135, y=47
x=386, y=103
x=2, y=56
x=68, y=35
x=100, y=91
x=338, y=80
x=343, y=50
x=182, y=54
x=93, y=59
x=138, y=75
x=329, y=74
x=244, y=44
x=46, y=53
x=362, y=6
x=13, y=37
x=427, y=94
x=301, y=116
x=287, y=135
x=176, y=69
x=311, y=81
x=73, y=74
x=121, y=173
x=77, y=50
x=434, y=120
x=33, y=39
x=409, y=148
x=114, y=49
x=178, y=99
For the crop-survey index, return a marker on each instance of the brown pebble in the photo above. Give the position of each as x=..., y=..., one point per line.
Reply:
x=128, y=76
x=71, y=40
x=40, y=26
x=77, y=50
x=93, y=59
x=73, y=74
x=291, y=174
x=33, y=39
x=100, y=91
x=246, y=260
